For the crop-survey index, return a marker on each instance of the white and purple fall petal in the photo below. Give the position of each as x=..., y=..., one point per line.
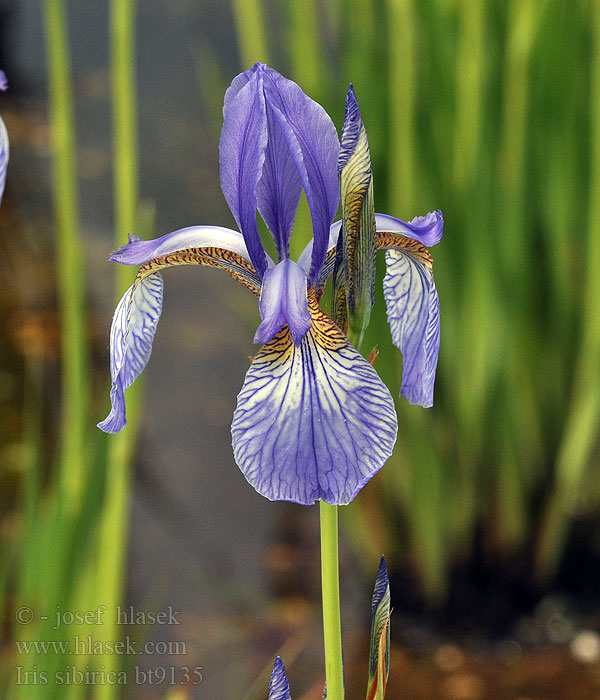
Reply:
x=413, y=311
x=137, y=314
x=131, y=335
x=312, y=421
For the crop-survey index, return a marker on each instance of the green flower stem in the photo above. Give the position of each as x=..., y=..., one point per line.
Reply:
x=330, y=585
x=330, y=582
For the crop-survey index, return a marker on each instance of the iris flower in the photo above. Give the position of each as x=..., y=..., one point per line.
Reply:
x=313, y=419
x=3, y=141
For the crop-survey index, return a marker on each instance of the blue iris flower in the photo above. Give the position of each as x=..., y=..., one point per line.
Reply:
x=313, y=418
x=3, y=141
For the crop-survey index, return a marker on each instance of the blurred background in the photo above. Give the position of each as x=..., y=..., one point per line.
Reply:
x=489, y=510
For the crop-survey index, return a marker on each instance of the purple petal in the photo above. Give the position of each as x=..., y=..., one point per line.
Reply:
x=4, y=152
x=279, y=189
x=138, y=252
x=312, y=421
x=353, y=125
x=413, y=313
x=426, y=229
x=382, y=586
x=241, y=156
x=314, y=146
x=306, y=255
x=283, y=300
x=3, y=81
x=279, y=688
x=131, y=336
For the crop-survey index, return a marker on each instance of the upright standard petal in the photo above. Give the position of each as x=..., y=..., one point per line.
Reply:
x=283, y=300
x=312, y=421
x=354, y=274
x=241, y=156
x=313, y=143
x=413, y=313
x=131, y=336
x=279, y=688
x=279, y=188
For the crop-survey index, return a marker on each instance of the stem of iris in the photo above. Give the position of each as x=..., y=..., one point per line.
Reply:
x=330, y=584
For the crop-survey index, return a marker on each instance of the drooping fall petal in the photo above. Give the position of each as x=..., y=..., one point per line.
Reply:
x=137, y=314
x=413, y=310
x=131, y=335
x=312, y=421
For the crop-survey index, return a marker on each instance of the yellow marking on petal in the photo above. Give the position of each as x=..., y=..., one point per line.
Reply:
x=235, y=265
x=408, y=245
x=323, y=330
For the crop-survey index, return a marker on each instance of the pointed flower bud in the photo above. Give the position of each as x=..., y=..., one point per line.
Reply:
x=354, y=275
x=379, y=654
x=279, y=688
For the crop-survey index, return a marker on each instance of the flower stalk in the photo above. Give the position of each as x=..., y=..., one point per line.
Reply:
x=330, y=583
